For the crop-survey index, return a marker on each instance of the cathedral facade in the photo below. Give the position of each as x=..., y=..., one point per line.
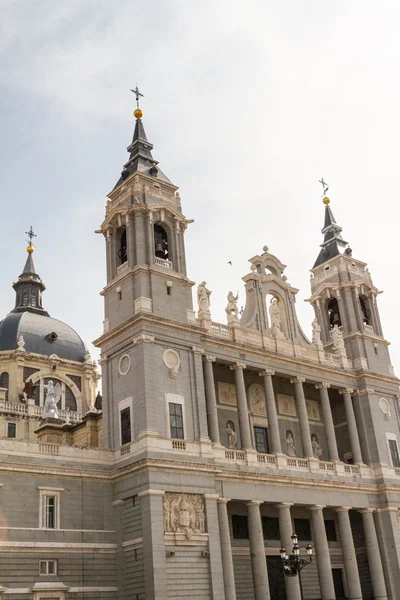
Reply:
x=214, y=443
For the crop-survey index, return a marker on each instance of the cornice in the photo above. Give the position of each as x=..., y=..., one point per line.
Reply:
x=144, y=269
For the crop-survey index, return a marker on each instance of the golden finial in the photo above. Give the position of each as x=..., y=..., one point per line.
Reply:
x=137, y=113
x=325, y=200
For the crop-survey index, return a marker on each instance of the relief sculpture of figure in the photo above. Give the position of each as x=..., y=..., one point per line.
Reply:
x=203, y=297
x=316, y=333
x=337, y=339
x=316, y=448
x=53, y=395
x=275, y=316
x=290, y=445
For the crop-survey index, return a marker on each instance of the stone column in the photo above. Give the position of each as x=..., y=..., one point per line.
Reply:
x=328, y=421
x=243, y=412
x=257, y=552
x=286, y=529
x=349, y=554
x=374, y=555
x=352, y=425
x=357, y=308
x=226, y=549
x=322, y=553
x=214, y=545
x=154, y=563
x=211, y=401
x=130, y=234
x=343, y=312
x=303, y=417
x=273, y=427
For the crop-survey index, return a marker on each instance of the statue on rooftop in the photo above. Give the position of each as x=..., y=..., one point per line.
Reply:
x=53, y=395
x=203, y=297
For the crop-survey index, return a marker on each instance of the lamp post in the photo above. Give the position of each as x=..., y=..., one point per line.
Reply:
x=293, y=564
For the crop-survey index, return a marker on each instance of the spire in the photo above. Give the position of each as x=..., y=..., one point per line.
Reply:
x=332, y=237
x=29, y=286
x=140, y=156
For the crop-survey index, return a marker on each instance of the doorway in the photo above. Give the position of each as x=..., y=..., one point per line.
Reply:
x=338, y=583
x=276, y=578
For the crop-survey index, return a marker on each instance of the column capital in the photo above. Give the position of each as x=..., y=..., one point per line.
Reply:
x=211, y=497
x=387, y=509
x=197, y=350
x=297, y=379
x=342, y=509
x=317, y=507
x=209, y=358
x=323, y=385
x=223, y=500
x=254, y=502
x=347, y=390
x=238, y=366
x=284, y=505
x=264, y=372
x=367, y=510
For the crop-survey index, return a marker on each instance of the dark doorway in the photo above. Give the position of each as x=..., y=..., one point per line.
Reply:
x=276, y=578
x=338, y=584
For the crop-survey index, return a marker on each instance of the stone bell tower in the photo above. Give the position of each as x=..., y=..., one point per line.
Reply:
x=344, y=296
x=144, y=228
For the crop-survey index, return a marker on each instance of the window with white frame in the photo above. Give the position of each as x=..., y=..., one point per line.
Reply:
x=11, y=429
x=48, y=567
x=67, y=400
x=175, y=412
x=126, y=421
x=49, y=508
x=393, y=449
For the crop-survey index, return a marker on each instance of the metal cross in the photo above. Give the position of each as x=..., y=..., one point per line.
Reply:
x=137, y=94
x=30, y=235
x=324, y=185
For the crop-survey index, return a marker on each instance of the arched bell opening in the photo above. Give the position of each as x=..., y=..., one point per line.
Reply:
x=122, y=248
x=5, y=382
x=334, y=313
x=365, y=310
x=161, y=242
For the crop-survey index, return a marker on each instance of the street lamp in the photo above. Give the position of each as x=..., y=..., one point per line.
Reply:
x=293, y=564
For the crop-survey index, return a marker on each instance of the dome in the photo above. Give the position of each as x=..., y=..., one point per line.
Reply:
x=42, y=335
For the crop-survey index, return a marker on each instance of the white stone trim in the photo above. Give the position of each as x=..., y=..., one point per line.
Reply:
x=122, y=358
x=175, y=399
x=143, y=304
x=58, y=545
x=127, y=403
x=49, y=491
x=72, y=590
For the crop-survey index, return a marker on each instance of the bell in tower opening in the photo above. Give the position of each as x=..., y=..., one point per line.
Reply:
x=160, y=242
x=334, y=313
x=122, y=252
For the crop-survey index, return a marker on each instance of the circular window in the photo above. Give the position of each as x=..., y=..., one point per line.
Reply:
x=124, y=364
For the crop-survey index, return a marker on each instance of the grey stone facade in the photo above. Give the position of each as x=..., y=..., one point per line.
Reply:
x=219, y=440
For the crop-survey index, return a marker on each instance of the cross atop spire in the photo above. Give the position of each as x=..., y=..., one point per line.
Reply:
x=325, y=186
x=138, y=95
x=30, y=235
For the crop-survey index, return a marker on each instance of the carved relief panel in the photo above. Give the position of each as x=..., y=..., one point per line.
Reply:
x=183, y=513
x=226, y=393
x=257, y=400
x=286, y=405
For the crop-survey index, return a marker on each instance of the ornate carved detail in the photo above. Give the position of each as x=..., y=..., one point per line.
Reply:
x=172, y=361
x=183, y=513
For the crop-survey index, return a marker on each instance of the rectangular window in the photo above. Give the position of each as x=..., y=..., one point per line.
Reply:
x=176, y=420
x=270, y=527
x=48, y=567
x=240, y=527
x=49, y=511
x=302, y=529
x=126, y=429
x=261, y=439
x=330, y=530
x=11, y=430
x=394, y=453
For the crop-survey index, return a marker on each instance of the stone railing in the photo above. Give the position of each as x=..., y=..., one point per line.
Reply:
x=19, y=408
x=15, y=408
x=220, y=329
x=301, y=463
x=267, y=459
x=122, y=268
x=163, y=262
x=237, y=455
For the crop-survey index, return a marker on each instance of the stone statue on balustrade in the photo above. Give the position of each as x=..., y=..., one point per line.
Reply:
x=290, y=445
x=29, y=390
x=338, y=341
x=316, y=333
x=231, y=435
x=275, y=317
x=316, y=448
x=232, y=308
x=203, y=300
x=53, y=396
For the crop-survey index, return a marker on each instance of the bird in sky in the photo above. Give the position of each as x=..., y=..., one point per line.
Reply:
x=229, y=262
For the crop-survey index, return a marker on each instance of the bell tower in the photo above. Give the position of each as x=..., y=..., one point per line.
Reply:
x=144, y=230
x=344, y=296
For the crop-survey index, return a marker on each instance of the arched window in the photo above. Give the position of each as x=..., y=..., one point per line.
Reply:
x=25, y=299
x=334, y=313
x=366, y=312
x=34, y=300
x=70, y=402
x=160, y=242
x=122, y=246
x=4, y=382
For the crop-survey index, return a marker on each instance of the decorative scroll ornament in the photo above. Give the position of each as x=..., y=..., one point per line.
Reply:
x=183, y=513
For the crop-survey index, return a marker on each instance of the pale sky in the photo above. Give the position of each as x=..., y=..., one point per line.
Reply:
x=247, y=105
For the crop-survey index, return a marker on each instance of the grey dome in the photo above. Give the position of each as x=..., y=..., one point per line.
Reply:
x=36, y=330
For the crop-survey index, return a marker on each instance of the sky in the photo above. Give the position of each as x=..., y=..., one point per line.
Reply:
x=247, y=105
